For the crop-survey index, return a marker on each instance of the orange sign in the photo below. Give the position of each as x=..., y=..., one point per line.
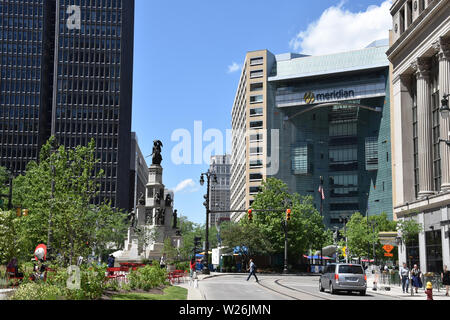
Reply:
x=388, y=248
x=388, y=254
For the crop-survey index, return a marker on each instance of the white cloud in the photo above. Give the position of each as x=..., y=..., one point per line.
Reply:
x=234, y=67
x=339, y=30
x=188, y=186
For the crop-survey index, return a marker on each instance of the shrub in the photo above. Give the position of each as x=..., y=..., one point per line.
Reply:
x=182, y=265
x=39, y=291
x=147, y=278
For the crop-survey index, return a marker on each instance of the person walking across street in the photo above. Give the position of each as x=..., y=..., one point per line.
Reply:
x=445, y=277
x=252, y=270
x=416, y=281
x=404, y=276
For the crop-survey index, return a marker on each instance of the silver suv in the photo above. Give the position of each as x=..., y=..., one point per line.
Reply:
x=343, y=277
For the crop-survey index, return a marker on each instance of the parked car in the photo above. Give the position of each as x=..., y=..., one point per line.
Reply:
x=343, y=277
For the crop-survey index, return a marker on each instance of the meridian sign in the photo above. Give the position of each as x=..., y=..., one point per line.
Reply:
x=296, y=96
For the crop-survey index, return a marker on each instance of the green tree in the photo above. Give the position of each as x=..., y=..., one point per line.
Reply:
x=358, y=234
x=409, y=230
x=75, y=225
x=305, y=229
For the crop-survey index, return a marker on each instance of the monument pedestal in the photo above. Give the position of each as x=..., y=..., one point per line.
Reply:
x=152, y=223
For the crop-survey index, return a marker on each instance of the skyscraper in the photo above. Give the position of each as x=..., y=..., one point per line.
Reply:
x=66, y=69
x=316, y=123
x=220, y=191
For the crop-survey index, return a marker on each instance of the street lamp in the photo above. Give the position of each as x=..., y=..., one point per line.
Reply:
x=445, y=111
x=208, y=175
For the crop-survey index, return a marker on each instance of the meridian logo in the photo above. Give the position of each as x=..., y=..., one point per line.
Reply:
x=309, y=97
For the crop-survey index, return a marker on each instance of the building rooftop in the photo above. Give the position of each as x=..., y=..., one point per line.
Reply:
x=289, y=66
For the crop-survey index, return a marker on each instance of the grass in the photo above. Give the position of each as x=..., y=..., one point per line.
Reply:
x=170, y=293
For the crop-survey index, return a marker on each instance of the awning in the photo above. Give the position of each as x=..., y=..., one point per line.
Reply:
x=317, y=257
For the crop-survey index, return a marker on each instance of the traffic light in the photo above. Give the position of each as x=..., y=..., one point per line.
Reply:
x=197, y=243
x=25, y=212
x=19, y=212
x=250, y=214
x=288, y=214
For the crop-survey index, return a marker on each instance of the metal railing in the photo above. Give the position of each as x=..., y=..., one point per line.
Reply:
x=392, y=278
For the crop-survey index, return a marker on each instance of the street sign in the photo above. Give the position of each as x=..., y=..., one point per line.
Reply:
x=388, y=254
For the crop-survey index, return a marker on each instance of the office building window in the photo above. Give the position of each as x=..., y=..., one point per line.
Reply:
x=258, y=86
x=436, y=116
x=255, y=176
x=255, y=164
x=371, y=153
x=433, y=243
x=256, y=74
x=256, y=99
x=256, y=61
x=256, y=124
x=256, y=137
x=256, y=150
x=256, y=112
x=301, y=155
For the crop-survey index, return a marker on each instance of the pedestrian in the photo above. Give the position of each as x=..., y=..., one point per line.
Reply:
x=404, y=277
x=416, y=281
x=252, y=270
x=111, y=261
x=162, y=262
x=429, y=291
x=192, y=267
x=445, y=277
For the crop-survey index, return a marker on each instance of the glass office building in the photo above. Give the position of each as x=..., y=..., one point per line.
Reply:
x=313, y=118
x=67, y=71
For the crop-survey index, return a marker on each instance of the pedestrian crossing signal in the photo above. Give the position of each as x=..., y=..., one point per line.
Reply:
x=250, y=215
x=288, y=214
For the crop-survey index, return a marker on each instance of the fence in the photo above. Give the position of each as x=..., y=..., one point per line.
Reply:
x=392, y=278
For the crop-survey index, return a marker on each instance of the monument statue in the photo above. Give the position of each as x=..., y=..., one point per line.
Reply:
x=169, y=200
x=159, y=219
x=141, y=200
x=156, y=155
x=175, y=212
x=157, y=197
x=132, y=219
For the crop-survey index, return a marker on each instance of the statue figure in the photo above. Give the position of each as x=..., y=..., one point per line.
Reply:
x=159, y=219
x=168, y=200
x=141, y=199
x=148, y=216
x=156, y=155
x=175, y=219
x=132, y=219
x=157, y=198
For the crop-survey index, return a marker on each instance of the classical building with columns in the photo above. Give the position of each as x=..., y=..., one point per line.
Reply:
x=420, y=58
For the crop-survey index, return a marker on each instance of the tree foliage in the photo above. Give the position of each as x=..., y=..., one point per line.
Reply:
x=306, y=229
x=409, y=230
x=77, y=227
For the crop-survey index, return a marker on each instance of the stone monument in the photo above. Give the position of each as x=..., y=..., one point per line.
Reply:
x=154, y=219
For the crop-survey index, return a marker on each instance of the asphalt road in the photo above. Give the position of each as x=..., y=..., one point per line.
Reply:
x=273, y=287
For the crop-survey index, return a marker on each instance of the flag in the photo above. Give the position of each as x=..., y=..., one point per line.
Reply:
x=322, y=194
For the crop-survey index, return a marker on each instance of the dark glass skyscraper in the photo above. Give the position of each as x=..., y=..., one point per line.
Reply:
x=66, y=70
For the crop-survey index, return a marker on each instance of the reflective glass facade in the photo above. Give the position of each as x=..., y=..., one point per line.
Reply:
x=74, y=82
x=345, y=141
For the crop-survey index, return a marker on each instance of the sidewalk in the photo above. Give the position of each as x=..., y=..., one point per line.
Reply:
x=195, y=293
x=396, y=291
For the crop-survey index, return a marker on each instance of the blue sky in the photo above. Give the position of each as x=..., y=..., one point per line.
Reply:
x=187, y=61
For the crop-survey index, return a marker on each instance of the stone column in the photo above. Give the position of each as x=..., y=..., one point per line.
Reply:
x=444, y=88
x=422, y=67
x=422, y=245
x=445, y=240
